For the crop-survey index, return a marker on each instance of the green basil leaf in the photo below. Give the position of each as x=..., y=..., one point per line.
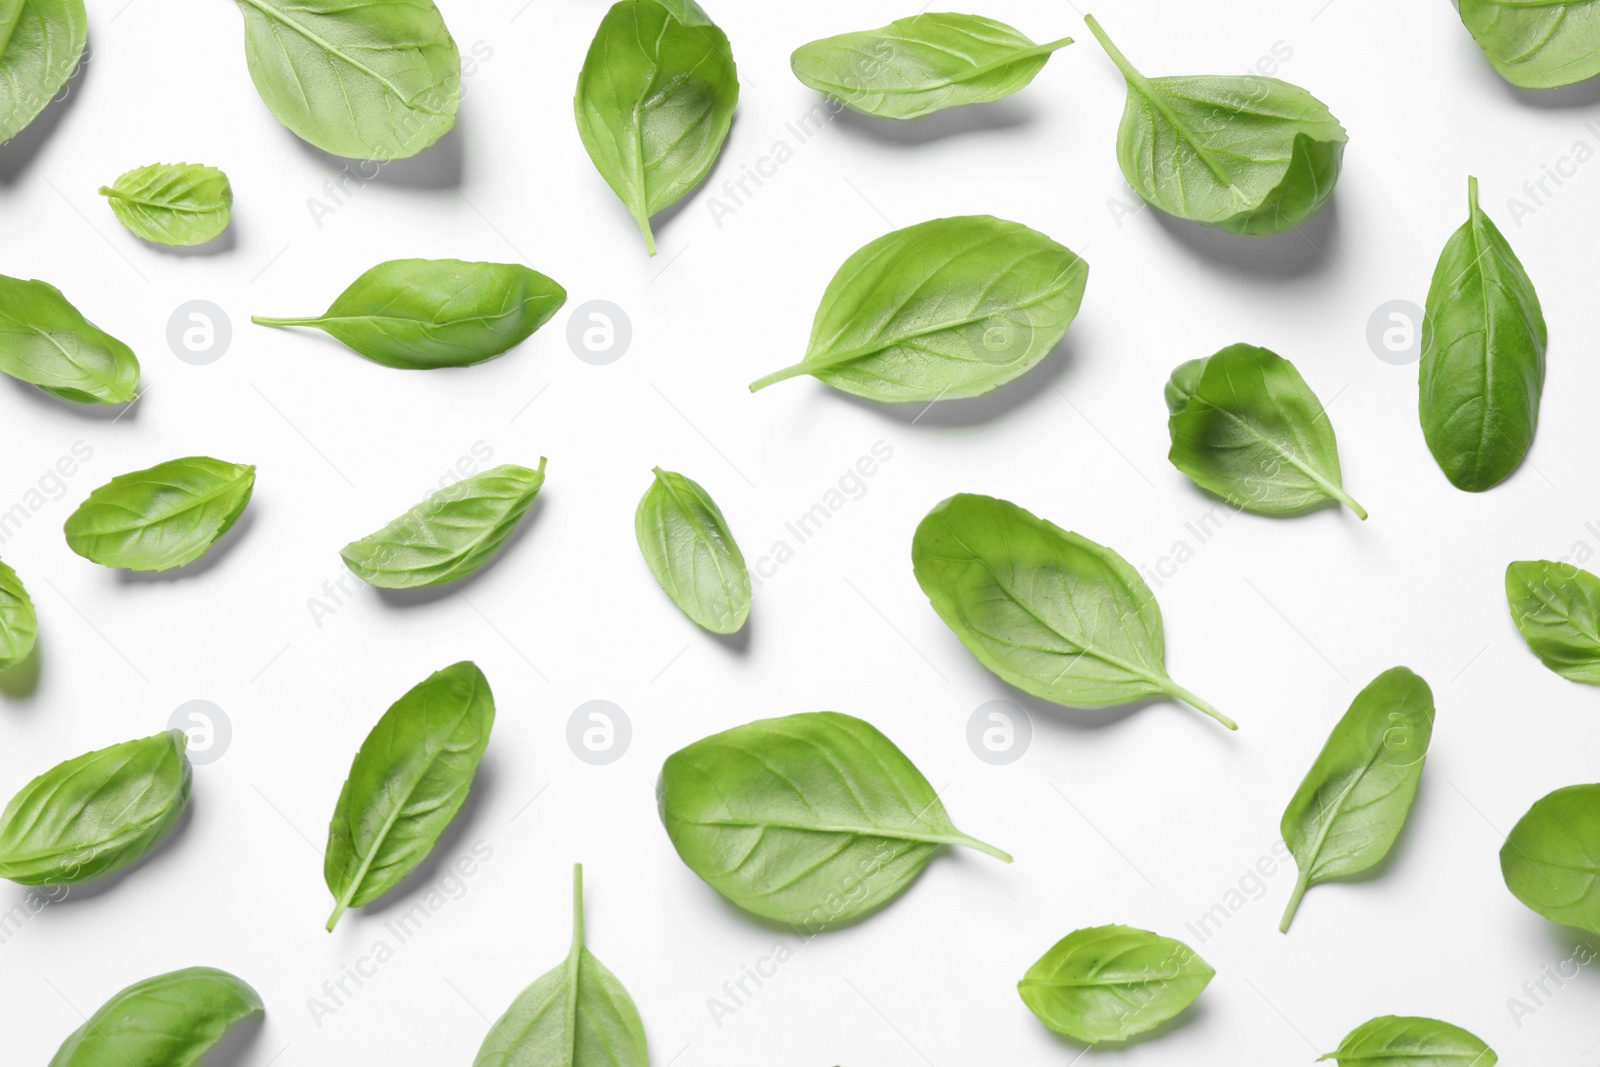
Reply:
x=422, y=314
x=163, y=517
x=916, y=66
x=1408, y=1041
x=814, y=818
x=654, y=103
x=1248, y=155
x=170, y=1020
x=449, y=535
x=1050, y=612
x=942, y=310
x=95, y=813
x=1483, y=349
x=177, y=204
x=1542, y=45
x=1108, y=983
x=1551, y=858
x=41, y=42
x=576, y=1015
x=1247, y=427
x=47, y=342
x=692, y=553
x=1351, y=806
x=19, y=623
x=1556, y=607
x=374, y=80
x=406, y=785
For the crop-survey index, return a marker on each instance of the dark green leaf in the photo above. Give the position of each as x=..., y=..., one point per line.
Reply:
x=47, y=342
x=170, y=1020
x=1551, y=859
x=422, y=314
x=576, y=1015
x=655, y=102
x=916, y=66
x=19, y=624
x=1247, y=427
x=1350, y=808
x=692, y=553
x=1108, y=983
x=814, y=818
x=406, y=785
x=1402, y=1041
x=1483, y=353
x=942, y=310
x=95, y=813
x=449, y=535
x=1556, y=607
x=1050, y=612
x=1537, y=44
x=176, y=204
x=1245, y=154
x=164, y=517
x=40, y=44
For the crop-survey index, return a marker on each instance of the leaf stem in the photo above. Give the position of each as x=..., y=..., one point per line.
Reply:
x=338, y=913
x=986, y=848
x=1350, y=502
x=1127, y=68
x=263, y=320
x=649, y=234
x=1472, y=195
x=577, y=906
x=778, y=376
x=1176, y=690
x=1301, y=884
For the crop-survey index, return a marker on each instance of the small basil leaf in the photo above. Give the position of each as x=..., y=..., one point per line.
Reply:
x=1050, y=612
x=687, y=544
x=375, y=80
x=942, y=310
x=422, y=314
x=1108, y=983
x=1556, y=607
x=41, y=42
x=19, y=624
x=576, y=1015
x=176, y=204
x=171, y=1020
x=1248, y=155
x=47, y=342
x=406, y=785
x=1483, y=355
x=163, y=517
x=1541, y=45
x=654, y=103
x=95, y=813
x=449, y=535
x=814, y=818
x=1408, y=1041
x=1551, y=858
x=1351, y=806
x=1248, y=428
x=916, y=66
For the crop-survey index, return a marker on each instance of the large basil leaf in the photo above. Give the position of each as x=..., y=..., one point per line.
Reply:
x=19, y=624
x=1245, y=154
x=170, y=1020
x=1050, y=612
x=655, y=102
x=1408, y=1041
x=1108, y=983
x=406, y=785
x=176, y=204
x=163, y=517
x=692, y=553
x=1551, y=858
x=1246, y=426
x=380, y=79
x=1537, y=44
x=916, y=66
x=814, y=818
x=422, y=314
x=1351, y=806
x=575, y=1015
x=1556, y=607
x=40, y=44
x=449, y=535
x=1483, y=348
x=95, y=813
x=942, y=310
x=47, y=342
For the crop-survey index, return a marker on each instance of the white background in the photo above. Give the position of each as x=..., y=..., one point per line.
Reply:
x=1146, y=817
